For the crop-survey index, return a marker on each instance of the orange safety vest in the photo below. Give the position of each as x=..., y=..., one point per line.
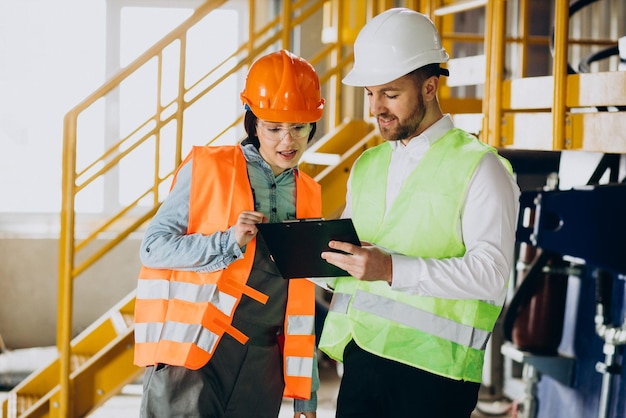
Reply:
x=180, y=316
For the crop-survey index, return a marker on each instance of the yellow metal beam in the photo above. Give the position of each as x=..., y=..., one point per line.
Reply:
x=455, y=106
x=496, y=73
x=561, y=32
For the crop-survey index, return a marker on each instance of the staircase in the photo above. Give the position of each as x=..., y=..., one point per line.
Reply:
x=101, y=363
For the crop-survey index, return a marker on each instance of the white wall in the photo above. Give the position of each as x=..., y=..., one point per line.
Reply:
x=28, y=288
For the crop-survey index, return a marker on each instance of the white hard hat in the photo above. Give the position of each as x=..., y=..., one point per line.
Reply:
x=393, y=44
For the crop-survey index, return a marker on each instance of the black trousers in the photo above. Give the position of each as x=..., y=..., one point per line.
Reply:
x=374, y=387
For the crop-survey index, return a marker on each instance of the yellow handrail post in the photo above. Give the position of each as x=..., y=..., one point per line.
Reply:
x=561, y=32
x=486, y=133
x=66, y=266
x=180, y=111
x=286, y=25
x=251, y=26
x=524, y=33
x=496, y=71
x=494, y=51
x=335, y=57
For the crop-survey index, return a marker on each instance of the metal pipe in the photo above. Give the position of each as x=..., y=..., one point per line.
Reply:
x=613, y=337
x=607, y=380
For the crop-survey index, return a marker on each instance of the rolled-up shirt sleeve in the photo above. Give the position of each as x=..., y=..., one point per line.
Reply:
x=167, y=245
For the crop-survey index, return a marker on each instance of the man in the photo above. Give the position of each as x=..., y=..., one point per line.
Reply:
x=436, y=210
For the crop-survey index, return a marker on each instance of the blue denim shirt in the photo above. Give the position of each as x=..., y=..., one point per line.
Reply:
x=166, y=243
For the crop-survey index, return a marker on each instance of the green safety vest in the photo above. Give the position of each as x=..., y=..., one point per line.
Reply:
x=443, y=336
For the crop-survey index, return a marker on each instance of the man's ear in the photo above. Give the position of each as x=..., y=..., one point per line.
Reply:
x=430, y=87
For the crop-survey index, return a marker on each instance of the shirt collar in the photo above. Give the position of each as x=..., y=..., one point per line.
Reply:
x=431, y=135
x=251, y=153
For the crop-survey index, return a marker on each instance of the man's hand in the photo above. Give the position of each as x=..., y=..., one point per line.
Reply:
x=245, y=228
x=364, y=263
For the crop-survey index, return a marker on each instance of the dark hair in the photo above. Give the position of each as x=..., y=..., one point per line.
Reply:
x=249, y=124
x=429, y=70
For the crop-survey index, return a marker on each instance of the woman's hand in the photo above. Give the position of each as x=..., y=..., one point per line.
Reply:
x=308, y=414
x=245, y=228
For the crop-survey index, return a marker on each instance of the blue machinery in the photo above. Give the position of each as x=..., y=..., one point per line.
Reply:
x=585, y=228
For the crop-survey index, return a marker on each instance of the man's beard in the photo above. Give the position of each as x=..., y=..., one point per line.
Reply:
x=407, y=129
x=402, y=131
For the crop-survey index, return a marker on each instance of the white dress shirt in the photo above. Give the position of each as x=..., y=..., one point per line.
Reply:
x=487, y=228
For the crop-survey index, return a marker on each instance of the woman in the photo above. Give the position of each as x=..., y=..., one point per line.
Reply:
x=220, y=332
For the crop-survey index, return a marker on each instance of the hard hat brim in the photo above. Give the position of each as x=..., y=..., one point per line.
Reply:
x=360, y=79
x=382, y=75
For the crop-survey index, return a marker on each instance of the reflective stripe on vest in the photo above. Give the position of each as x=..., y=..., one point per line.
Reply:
x=164, y=289
x=299, y=339
x=177, y=332
x=444, y=336
x=412, y=317
x=181, y=316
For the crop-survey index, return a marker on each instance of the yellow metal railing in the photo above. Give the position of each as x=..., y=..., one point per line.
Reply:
x=556, y=111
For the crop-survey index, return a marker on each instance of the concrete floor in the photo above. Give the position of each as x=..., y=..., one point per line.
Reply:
x=126, y=405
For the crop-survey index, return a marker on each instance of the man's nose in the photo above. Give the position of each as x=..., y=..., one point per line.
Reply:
x=376, y=106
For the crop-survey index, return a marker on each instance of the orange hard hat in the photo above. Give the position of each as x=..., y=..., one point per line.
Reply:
x=282, y=87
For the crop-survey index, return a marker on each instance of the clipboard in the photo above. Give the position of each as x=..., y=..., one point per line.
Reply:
x=296, y=245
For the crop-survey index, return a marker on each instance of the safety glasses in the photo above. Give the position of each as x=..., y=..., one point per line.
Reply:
x=277, y=131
